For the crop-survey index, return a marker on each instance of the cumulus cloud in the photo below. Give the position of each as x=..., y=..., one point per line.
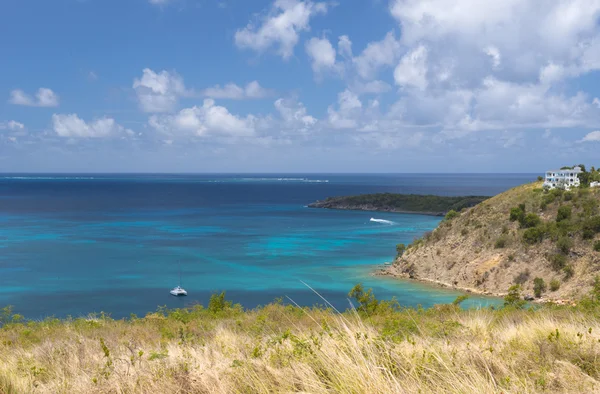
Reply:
x=43, y=98
x=280, y=28
x=412, y=70
x=204, y=120
x=159, y=92
x=252, y=90
x=294, y=115
x=378, y=54
x=349, y=110
x=12, y=125
x=321, y=53
x=72, y=126
x=594, y=136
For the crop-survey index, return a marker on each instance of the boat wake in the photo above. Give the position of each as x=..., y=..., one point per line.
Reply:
x=383, y=221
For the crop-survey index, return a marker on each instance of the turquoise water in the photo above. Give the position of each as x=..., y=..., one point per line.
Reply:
x=74, y=245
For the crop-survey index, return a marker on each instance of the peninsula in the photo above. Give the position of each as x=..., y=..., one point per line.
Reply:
x=546, y=241
x=401, y=203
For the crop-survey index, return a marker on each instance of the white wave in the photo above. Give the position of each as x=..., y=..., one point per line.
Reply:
x=383, y=221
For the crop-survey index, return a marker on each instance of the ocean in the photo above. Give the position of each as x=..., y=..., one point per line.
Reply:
x=75, y=244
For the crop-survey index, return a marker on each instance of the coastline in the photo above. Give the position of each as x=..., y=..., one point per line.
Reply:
x=373, y=209
x=386, y=270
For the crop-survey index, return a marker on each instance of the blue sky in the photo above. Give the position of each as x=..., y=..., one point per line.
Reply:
x=299, y=86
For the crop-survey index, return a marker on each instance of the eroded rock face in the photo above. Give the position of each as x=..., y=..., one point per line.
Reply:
x=483, y=250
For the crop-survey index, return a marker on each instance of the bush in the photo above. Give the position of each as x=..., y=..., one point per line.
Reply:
x=564, y=213
x=539, y=286
x=540, y=178
x=522, y=277
x=451, y=215
x=554, y=284
x=517, y=214
x=533, y=235
x=558, y=261
x=513, y=298
x=569, y=271
x=587, y=233
x=568, y=196
x=464, y=232
x=564, y=244
x=597, y=246
x=531, y=220
x=501, y=242
x=400, y=249
x=217, y=303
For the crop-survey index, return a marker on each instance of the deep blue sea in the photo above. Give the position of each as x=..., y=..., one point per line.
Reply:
x=75, y=244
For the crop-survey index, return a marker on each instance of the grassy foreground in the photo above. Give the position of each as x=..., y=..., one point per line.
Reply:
x=379, y=348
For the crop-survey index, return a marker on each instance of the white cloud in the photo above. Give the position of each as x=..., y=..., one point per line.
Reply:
x=43, y=98
x=72, y=126
x=348, y=112
x=204, y=120
x=280, y=28
x=159, y=92
x=345, y=47
x=494, y=54
x=321, y=53
x=294, y=115
x=12, y=125
x=412, y=70
x=253, y=90
x=159, y=2
x=596, y=102
x=594, y=136
x=376, y=55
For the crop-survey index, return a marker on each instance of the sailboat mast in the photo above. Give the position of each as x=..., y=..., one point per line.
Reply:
x=180, y=274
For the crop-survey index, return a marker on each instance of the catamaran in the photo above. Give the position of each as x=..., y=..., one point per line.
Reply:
x=179, y=291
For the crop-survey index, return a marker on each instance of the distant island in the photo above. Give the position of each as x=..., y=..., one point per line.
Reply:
x=400, y=203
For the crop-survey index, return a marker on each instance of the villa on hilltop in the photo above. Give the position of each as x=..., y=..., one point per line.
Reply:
x=563, y=179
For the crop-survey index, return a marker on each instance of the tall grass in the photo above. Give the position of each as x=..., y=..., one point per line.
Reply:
x=286, y=349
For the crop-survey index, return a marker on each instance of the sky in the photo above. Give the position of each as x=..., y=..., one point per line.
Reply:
x=299, y=86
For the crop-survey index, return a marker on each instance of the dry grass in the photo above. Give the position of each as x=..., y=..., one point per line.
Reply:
x=284, y=349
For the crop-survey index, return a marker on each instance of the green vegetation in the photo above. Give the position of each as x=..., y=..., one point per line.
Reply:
x=564, y=212
x=597, y=246
x=539, y=286
x=429, y=204
x=379, y=347
x=451, y=215
x=554, y=284
x=400, y=249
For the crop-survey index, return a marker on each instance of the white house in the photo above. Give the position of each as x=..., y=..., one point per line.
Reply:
x=562, y=179
x=594, y=184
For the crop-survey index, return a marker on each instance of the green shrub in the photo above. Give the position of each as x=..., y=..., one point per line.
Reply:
x=569, y=271
x=564, y=213
x=597, y=246
x=564, y=244
x=400, y=249
x=530, y=220
x=558, y=261
x=464, y=232
x=217, y=303
x=554, y=284
x=568, y=196
x=539, y=286
x=533, y=235
x=451, y=215
x=517, y=214
x=587, y=233
x=501, y=242
x=513, y=298
x=540, y=178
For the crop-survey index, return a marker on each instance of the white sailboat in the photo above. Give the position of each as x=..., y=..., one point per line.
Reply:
x=179, y=291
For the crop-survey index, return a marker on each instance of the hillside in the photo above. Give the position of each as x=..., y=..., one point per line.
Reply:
x=514, y=238
x=379, y=349
x=401, y=203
